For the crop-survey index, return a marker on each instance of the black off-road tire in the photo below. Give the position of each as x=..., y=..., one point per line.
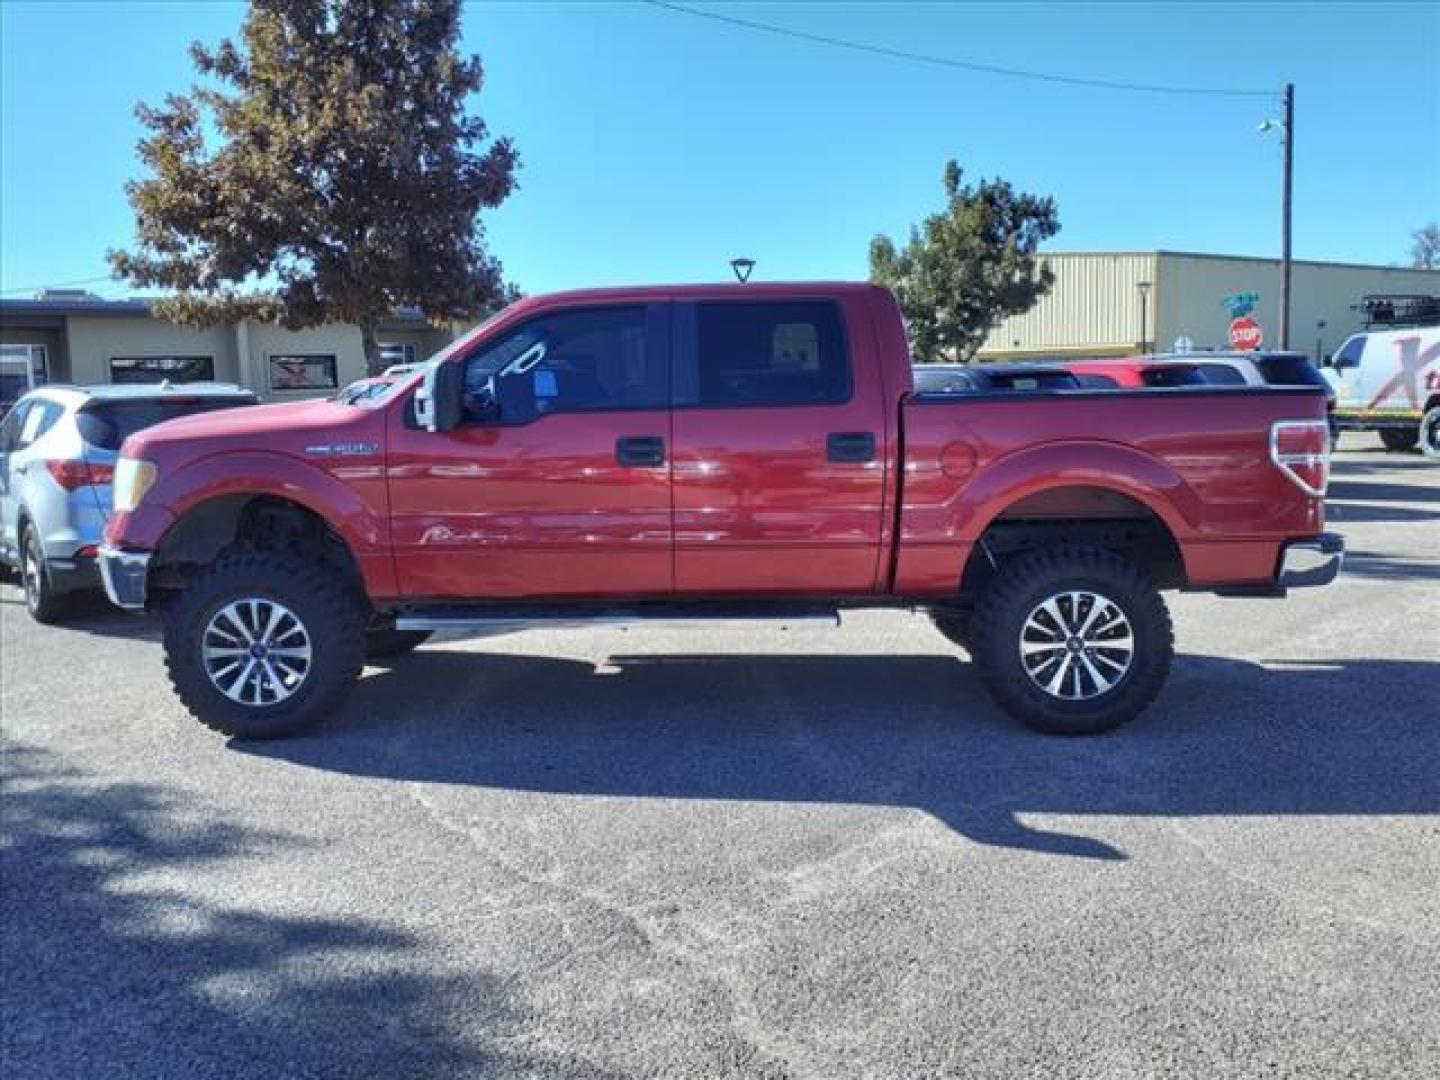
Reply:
x=324, y=602
x=43, y=603
x=1027, y=581
x=954, y=627
x=1430, y=433
x=385, y=641
x=1399, y=440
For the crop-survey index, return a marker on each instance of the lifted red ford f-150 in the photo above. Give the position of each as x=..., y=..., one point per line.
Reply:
x=700, y=452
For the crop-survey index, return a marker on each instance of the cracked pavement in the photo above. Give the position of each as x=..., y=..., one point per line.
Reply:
x=747, y=853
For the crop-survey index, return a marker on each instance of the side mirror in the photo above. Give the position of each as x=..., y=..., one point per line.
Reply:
x=438, y=404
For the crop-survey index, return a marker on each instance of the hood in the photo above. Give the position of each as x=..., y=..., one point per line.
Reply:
x=287, y=428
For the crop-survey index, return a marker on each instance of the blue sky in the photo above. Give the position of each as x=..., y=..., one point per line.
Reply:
x=656, y=146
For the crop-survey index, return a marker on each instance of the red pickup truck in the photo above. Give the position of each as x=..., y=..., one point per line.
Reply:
x=704, y=452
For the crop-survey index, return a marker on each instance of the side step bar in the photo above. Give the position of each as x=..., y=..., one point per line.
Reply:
x=481, y=617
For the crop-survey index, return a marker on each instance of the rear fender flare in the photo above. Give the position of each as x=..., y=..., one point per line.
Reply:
x=1078, y=463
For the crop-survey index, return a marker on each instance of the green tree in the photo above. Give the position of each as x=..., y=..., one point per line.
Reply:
x=327, y=170
x=967, y=267
x=1425, y=248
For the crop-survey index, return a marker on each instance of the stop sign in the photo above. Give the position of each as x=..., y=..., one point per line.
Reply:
x=1245, y=333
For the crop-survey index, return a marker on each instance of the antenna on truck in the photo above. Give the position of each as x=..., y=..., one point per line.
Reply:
x=743, y=268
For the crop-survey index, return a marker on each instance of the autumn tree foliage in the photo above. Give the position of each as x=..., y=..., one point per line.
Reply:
x=327, y=168
x=968, y=266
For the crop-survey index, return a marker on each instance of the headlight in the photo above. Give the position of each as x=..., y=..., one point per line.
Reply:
x=132, y=480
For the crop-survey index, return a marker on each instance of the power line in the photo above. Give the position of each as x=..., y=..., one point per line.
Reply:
x=57, y=285
x=963, y=65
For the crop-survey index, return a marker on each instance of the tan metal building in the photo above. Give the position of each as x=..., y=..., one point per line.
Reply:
x=1122, y=303
x=73, y=337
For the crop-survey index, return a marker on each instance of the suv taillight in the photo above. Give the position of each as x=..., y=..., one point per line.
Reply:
x=71, y=474
x=1301, y=450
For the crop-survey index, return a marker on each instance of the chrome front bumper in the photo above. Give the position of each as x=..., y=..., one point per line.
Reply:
x=1308, y=563
x=124, y=573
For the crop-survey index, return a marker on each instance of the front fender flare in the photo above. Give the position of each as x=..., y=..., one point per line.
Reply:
x=364, y=529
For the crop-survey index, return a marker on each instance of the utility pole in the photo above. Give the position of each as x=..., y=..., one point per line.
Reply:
x=1288, y=134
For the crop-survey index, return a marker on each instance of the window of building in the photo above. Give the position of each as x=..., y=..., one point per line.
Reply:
x=154, y=369
x=577, y=361
x=22, y=367
x=310, y=371
x=787, y=353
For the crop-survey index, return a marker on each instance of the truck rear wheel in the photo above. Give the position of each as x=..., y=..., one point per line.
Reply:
x=261, y=645
x=1072, y=640
x=1398, y=440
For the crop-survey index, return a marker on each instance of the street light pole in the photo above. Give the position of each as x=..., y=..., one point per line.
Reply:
x=1144, y=287
x=1288, y=134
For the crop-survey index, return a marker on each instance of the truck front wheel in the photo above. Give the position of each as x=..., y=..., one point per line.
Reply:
x=1072, y=640
x=263, y=644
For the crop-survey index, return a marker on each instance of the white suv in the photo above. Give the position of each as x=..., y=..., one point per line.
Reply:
x=58, y=447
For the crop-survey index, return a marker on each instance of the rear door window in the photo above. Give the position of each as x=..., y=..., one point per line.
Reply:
x=766, y=353
x=37, y=423
x=107, y=424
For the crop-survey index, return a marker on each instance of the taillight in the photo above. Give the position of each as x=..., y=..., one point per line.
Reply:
x=71, y=474
x=1301, y=450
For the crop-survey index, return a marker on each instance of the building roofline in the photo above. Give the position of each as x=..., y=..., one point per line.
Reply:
x=1275, y=260
x=74, y=307
x=139, y=307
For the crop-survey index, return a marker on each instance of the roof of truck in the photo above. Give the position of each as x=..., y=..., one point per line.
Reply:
x=726, y=289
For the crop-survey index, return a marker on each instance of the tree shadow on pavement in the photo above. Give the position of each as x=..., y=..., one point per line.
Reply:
x=1226, y=738
x=107, y=972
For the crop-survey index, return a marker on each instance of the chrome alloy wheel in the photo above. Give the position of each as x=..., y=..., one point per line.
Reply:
x=1076, y=645
x=256, y=651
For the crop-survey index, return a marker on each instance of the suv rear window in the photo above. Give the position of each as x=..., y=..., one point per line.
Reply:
x=1172, y=375
x=107, y=424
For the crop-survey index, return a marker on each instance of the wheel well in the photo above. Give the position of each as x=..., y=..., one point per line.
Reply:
x=247, y=523
x=1095, y=516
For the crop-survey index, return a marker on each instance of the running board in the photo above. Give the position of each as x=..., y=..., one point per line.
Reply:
x=477, y=617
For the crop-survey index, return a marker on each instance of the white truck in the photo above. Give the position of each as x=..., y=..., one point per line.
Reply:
x=1387, y=379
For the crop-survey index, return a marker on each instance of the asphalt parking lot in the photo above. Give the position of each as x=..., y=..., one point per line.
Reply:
x=751, y=853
